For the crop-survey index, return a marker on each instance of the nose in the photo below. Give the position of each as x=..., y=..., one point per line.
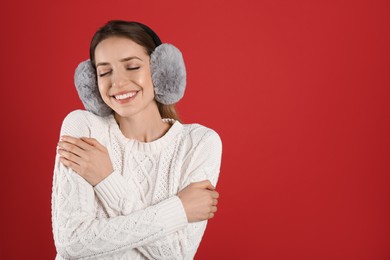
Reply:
x=119, y=79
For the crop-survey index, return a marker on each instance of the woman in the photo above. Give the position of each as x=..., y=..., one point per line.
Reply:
x=132, y=182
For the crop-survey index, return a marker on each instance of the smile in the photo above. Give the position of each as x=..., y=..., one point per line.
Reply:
x=126, y=95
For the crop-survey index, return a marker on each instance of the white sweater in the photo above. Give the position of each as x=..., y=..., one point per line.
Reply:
x=134, y=213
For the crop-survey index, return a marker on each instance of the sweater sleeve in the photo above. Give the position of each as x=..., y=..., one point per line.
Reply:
x=116, y=195
x=77, y=230
x=204, y=163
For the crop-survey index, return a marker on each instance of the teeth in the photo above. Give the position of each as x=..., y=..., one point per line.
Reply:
x=124, y=96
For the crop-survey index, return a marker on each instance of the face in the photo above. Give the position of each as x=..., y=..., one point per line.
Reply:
x=123, y=73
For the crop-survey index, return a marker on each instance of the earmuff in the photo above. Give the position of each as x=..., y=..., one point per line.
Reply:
x=167, y=70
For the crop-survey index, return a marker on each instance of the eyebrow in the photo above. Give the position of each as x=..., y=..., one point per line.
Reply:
x=122, y=60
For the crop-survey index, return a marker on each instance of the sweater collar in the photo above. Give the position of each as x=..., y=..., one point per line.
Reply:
x=154, y=146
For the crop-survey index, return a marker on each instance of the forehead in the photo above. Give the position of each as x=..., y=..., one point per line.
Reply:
x=116, y=48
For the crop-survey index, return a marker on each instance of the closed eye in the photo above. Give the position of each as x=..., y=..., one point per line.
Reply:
x=133, y=68
x=104, y=74
x=108, y=72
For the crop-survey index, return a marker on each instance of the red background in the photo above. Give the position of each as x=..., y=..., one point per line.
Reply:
x=298, y=91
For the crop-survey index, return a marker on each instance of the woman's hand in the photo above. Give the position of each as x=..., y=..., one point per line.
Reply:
x=200, y=200
x=85, y=156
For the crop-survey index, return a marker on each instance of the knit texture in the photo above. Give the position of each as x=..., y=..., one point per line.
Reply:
x=134, y=213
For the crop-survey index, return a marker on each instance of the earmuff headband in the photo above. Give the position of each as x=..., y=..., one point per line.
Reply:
x=152, y=34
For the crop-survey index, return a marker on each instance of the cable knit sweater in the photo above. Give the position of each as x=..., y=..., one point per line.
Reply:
x=134, y=213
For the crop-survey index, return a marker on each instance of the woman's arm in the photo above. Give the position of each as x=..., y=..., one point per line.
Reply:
x=204, y=165
x=114, y=192
x=79, y=232
x=90, y=159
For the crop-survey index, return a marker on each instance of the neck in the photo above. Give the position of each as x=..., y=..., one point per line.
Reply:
x=145, y=126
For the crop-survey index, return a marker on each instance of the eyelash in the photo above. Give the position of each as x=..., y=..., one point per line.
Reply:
x=104, y=74
x=133, y=68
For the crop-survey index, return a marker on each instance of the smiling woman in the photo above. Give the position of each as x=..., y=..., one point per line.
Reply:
x=130, y=180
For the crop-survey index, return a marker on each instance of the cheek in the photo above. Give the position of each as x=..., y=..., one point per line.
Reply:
x=144, y=79
x=102, y=87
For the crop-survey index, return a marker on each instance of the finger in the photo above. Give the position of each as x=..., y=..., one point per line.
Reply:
x=74, y=166
x=69, y=156
x=213, y=209
x=214, y=194
x=76, y=141
x=64, y=146
x=211, y=215
x=206, y=184
x=93, y=142
x=215, y=202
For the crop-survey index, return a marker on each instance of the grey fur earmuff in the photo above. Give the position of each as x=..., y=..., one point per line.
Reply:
x=168, y=75
x=87, y=88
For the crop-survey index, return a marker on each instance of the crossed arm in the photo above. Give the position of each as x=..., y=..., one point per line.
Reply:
x=176, y=223
x=90, y=159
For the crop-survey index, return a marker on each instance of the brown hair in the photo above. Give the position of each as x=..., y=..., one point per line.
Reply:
x=137, y=33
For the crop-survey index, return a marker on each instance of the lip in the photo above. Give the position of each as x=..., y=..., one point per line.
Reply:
x=126, y=100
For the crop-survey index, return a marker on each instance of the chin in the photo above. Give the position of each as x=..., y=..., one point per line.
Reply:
x=126, y=112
